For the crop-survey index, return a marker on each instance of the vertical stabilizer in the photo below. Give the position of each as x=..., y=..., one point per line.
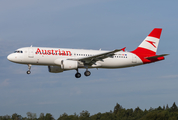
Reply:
x=150, y=43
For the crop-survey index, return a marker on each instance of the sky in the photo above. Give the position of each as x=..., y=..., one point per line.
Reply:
x=86, y=24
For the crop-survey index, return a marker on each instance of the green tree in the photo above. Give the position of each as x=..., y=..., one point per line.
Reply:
x=84, y=115
x=15, y=116
x=174, y=107
x=96, y=116
x=49, y=117
x=137, y=113
x=31, y=116
x=167, y=107
x=117, y=108
x=164, y=108
x=159, y=108
x=42, y=117
x=107, y=116
x=63, y=117
x=6, y=117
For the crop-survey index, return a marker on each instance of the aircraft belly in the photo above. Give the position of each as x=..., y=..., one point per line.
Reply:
x=113, y=63
x=119, y=63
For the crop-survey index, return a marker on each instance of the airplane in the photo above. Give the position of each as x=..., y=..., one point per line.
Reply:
x=62, y=59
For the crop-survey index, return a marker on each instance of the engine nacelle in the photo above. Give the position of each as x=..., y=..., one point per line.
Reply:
x=55, y=69
x=69, y=64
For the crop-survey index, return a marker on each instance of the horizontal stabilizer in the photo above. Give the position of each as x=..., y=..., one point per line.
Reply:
x=157, y=56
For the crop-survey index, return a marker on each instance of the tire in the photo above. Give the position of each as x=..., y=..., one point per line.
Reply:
x=28, y=72
x=87, y=73
x=77, y=75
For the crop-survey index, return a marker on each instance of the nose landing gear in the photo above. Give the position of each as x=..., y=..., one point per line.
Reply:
x=29, y=68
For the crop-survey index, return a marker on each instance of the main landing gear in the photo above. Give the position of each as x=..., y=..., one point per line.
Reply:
x=86, y=73
x=29, y=68
x=77, y=75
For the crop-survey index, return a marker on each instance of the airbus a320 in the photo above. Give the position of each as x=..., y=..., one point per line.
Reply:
x=62, y=59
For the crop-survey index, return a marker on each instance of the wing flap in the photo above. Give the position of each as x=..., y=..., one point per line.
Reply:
x=99, y=57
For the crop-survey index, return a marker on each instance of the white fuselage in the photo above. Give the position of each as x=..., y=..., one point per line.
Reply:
x=48, y=56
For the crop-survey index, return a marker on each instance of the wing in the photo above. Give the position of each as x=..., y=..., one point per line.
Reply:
x=99, y=57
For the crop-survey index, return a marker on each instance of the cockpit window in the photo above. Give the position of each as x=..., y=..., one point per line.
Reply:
x=18, y=51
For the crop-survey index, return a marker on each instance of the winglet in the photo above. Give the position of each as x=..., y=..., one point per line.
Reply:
x=123, y=49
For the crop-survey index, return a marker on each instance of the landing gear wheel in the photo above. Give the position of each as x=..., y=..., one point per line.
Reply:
x=87, y=73
x=77, y=75
x=28, y=72
x=29, y=68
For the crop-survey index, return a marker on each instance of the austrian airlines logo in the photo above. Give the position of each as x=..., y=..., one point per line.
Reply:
x=152, y=43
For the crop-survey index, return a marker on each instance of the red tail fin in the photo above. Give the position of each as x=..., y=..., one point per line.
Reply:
x=150, y=43
x=149, y=46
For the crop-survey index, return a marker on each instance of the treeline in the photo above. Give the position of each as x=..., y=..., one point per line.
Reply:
x=119, y=113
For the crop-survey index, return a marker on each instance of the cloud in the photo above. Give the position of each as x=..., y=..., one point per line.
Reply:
x=5, y=83
x=170, y=76
x=48, y=103
x=75, y=91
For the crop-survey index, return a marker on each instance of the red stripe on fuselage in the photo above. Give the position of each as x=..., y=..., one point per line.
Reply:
x=142, y=53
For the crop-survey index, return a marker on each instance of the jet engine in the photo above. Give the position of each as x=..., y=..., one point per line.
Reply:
x=69, y=64
x=55, y=69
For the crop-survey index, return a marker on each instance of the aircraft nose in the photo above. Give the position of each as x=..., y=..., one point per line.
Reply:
x=10, y=57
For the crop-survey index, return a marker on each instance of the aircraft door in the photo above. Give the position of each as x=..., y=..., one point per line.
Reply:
x=134, y=58
x=30, y=53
